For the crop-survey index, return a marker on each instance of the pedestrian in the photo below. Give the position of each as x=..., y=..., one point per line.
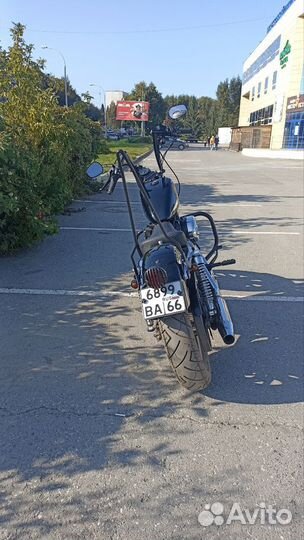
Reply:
x=216, y=141
x=208, y=141
x=212, y=142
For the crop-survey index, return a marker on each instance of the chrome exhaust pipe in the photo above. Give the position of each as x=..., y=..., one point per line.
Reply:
x=225, y=324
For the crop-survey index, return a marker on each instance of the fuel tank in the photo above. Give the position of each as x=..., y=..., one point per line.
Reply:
x=163, y=196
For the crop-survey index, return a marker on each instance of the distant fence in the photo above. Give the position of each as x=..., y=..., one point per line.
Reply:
x=250, y=137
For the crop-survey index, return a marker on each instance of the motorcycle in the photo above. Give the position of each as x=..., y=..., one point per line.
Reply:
x=181, y=300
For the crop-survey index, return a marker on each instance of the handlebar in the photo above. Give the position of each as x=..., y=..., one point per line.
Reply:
x=110, y=184
x=158, y=133
x=115, y=175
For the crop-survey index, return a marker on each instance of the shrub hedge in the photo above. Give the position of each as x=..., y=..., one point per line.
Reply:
x=44, y=148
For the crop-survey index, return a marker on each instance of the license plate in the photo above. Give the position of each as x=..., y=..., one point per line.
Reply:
x=167, y=300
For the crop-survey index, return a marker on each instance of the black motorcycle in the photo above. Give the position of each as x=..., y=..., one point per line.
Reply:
x=180, y=297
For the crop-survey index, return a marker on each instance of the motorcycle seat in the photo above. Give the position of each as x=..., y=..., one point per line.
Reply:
x=157, y=237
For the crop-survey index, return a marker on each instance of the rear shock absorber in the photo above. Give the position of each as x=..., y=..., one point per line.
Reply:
x=205, y=287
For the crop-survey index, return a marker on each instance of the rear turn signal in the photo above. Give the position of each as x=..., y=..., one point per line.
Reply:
x=156, y=277
x=134, y=284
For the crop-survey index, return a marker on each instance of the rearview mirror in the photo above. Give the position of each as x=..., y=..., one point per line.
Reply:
x=177, y=111
x=94, y=170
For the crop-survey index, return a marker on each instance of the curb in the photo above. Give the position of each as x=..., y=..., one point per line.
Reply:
x=143, y=156
x=273, y=154
x=104, y=177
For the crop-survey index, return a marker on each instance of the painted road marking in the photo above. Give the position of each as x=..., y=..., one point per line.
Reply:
x=264, y=232
x=103, y=202
x=185, y=205
x=103, y=294
x=205, y=203
x=232, y=296
x=63, y=292
x=130, y=230
x=94, y=229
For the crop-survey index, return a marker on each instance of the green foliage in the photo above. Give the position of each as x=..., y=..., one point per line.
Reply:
x=193, y=119
x=112, y=123
x=57, y=85
x=205, y=115
x=228, y=95
x=208, y=111
x=134, y=148
x=44, y=148
x=140, y=140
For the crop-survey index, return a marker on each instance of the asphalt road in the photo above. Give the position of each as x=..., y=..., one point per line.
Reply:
x=97, y=440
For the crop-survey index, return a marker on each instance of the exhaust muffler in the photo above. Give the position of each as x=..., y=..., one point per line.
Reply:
x=225, y=324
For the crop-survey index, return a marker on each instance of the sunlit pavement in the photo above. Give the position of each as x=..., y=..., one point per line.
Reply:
x=97, y=439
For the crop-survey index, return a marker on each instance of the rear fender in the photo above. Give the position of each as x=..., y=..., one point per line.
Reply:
x=163, y=257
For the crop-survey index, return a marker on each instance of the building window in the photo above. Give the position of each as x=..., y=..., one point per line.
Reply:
x=259, y=89
x=294, y=131
x=261, y=117
x=266, y=85
x=267, y=56
x=274, y=80
x=252, y=93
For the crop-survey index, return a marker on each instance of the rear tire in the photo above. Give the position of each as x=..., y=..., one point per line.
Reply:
x=186, y=353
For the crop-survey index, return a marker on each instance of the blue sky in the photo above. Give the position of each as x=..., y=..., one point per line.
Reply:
x=184, y=46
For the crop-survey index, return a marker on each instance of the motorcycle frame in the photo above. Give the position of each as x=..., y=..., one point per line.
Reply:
x=124, y=159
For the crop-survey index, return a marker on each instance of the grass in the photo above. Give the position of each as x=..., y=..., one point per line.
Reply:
x=134, y=150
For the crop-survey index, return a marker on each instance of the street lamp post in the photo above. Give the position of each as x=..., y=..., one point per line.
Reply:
x=64, y=73
x=104, y=104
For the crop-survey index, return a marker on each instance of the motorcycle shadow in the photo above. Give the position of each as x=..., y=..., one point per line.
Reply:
x=265, y=366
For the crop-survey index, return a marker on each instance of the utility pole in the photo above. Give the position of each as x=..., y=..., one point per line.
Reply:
x=142, y=134
x=104, y=105
x=64, y=73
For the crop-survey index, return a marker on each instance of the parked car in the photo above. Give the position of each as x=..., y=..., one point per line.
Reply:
x=173, y=143
x=192, y=138
x=112, y=136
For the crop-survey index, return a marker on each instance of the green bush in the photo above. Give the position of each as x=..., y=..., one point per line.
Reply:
x=135, y=140
x=44, y=149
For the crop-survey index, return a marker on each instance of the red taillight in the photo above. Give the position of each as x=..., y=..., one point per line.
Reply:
x=134, y=284
x=156, y=277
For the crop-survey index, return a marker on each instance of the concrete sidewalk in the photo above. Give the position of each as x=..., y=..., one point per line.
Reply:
x=273, y=154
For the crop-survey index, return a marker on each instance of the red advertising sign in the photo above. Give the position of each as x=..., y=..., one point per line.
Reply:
x=132, y=110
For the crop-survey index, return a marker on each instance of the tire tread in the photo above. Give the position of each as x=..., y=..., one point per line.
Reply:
x=185, y=353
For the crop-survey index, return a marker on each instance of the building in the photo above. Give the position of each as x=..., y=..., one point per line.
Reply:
x=114, y=96
x=273, y=84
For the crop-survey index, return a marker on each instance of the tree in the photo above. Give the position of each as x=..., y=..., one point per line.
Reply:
x=228, y=95
x=44, y=148
x=111, y=117
x=223, y=98
x=209, y=114
x=57, y=84
x=235, y=89
x=192, y=120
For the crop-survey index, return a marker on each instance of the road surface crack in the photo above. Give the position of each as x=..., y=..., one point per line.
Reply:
x=5, y=412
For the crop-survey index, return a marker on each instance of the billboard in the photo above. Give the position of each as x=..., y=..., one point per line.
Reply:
x=132, y=110
x=295, y=103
